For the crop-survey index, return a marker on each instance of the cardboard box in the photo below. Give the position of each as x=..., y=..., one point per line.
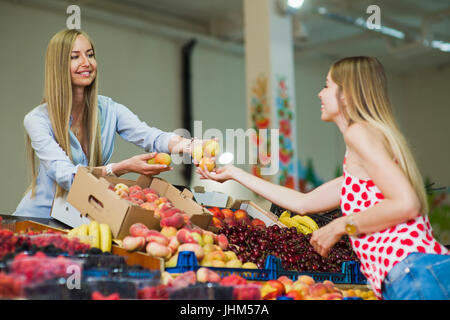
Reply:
x=211, y=198
x=91, y=196
x=66, y=213
x=257, y=212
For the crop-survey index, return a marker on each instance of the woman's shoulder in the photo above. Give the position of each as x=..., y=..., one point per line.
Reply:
x=364, y=138
x=38, y=113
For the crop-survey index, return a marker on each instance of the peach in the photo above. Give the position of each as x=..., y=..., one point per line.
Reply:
x=272, y=289
x=197, y=153
x=206, y=263
x=149, y=191
x=199, y=253
x=222, y=241
x=230, y=222
x=207, y=164
x=167, y=212
x=134, y=188
x=121, y=186
x=169, y=231
x=122, y=193
x=136, y=201
x=211, y=148
x=138, y=195
x=207, y=238
x=166, y=278
x=176, y=221
x=151, y=197
x=130, y=243
x=207, y=275
x=301, y=287
x=306, y=279
x=295, y=295
x=173, y=244
x=233, y=263
x=184, y=236
x=163, y=158
x=332, y=296
x=172, y=262
x=209, y=247
x=156, y=236
x=286, y=282
x=230, y=255
x=317, y=290
x=249, y=265
x=197, y=237
x=227, y=213
x=216, y=255
x=240, y=215
x=217, y=213
x=139, y=230
x=218, y=264
x=217, y=222
x=148, y=206
x=258, y=223
x=158, y=250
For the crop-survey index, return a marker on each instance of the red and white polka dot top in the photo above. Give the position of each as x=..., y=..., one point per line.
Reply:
x=380, y=251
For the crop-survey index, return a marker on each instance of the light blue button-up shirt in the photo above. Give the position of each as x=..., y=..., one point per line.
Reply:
x=55, y=165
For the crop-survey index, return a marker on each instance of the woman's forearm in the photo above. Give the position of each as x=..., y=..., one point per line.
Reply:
x=119, y=168
x=178, y=145
x=284, y=197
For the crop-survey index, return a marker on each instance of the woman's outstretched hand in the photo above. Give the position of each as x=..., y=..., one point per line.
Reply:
x=221, y=174
x=138, y=164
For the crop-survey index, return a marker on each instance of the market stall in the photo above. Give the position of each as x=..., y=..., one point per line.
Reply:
x=157, y=242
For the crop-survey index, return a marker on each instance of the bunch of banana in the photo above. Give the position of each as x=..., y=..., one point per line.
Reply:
x=98, y=235
x=303, y=224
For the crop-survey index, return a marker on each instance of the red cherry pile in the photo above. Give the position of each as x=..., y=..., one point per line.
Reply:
x=293, y=248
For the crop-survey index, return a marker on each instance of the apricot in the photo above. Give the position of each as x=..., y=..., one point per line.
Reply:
x=207, y=164
x=249, y=265
x=211, y=148
x=184, y=236
x=317, y=290
x=306, y=279
x=197, y=237
x=234, y=263
x=197, y=153
x=218, y=264
x=222, y=241
x=230, y=255
x=169, y=231
x=216, y=255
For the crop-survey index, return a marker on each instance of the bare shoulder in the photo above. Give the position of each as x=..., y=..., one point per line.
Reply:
x=364, y=139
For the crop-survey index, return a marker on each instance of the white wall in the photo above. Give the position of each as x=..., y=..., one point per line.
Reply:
x=143, y=72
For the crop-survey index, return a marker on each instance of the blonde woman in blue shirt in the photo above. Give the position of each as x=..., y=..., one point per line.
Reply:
x=74, y=126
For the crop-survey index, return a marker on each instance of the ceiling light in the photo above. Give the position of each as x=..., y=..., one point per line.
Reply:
x=289, y=6
x=295, y=4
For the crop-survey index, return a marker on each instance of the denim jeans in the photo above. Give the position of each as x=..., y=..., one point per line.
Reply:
x=419, y=276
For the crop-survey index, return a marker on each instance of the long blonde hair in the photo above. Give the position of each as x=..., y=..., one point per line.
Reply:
x=58, y=96
x=363, y=83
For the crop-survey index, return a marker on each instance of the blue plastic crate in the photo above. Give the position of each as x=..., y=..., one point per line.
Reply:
x=187, y=261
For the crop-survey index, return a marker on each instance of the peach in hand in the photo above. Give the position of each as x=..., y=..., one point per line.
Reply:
x=207, y=164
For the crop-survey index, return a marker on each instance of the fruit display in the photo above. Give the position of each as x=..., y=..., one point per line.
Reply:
x=98, y=235
x=149, y=199
x=205, y=155
x=293, y=248
x=210, y=249
x=226, y=216
x=48, y=242
x=160, y=158
x=303, y=224
x=11, y=286
x=40, y=267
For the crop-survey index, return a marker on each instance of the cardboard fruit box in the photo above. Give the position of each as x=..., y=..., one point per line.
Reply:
x=91, y=196
x=257, y=212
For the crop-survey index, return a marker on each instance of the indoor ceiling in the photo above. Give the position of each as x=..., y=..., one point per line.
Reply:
x=331, y=35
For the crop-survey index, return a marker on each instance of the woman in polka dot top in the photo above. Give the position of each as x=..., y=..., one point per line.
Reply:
x=381, y=192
